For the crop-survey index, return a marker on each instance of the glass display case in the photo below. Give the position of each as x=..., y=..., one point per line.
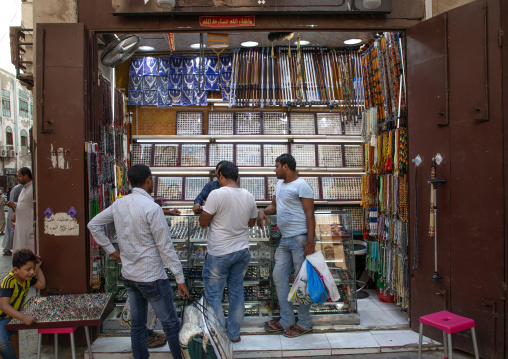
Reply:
x=334, y=237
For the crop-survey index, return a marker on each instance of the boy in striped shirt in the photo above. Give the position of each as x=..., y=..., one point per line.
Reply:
x=26, y=273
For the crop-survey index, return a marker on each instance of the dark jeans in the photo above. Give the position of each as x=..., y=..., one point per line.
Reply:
x=6, y=349
x=160, y=296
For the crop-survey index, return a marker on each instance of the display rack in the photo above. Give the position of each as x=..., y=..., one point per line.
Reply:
x=333, y=237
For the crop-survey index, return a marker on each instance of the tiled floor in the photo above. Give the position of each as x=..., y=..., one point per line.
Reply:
x=383, y=329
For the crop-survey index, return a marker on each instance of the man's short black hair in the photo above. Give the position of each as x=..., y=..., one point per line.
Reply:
x=229, y=170
x=138, y=174
x=287, y=159
x=219, y=164
x=25, y=171
x=22, y=257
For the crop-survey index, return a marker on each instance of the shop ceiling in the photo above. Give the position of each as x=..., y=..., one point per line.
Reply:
x=159, y=41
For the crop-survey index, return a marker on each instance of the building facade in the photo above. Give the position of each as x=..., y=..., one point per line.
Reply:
x=16, y=122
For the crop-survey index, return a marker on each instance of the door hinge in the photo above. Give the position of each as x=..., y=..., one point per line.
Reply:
x=500, y=37
x=503, y=286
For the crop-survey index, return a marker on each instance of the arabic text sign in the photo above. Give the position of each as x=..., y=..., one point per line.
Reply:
x=61, y=224
x=226, y=21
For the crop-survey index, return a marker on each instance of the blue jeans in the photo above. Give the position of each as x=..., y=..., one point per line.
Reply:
x=6, y=349
x=160, y=296
x=228, y=269
x=289, y=255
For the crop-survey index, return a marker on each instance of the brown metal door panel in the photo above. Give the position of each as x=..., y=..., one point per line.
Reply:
x=504, y=79
x=477, y=236
x=60, y=91
x=426, y=79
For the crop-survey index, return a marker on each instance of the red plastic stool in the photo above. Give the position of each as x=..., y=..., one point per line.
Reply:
x=57, y=331
x=449, y=323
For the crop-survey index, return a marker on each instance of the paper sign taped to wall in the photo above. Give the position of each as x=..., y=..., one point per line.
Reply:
x=61, y=224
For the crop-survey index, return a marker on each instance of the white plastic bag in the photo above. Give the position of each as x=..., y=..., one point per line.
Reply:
x=317, y=260
x=299, y=292
x=125, y=317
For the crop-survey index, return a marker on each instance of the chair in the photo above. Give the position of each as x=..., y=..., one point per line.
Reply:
x=449, y=323
x=57, y=331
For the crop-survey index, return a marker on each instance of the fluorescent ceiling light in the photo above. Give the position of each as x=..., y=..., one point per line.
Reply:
x=302, y=42
x=352, y=41
x=196, y=46
x=249, y=44
x=146, y=48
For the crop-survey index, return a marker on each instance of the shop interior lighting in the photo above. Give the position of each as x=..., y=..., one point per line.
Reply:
x=352, y=41
x=303, y=42
x=166, y=4
x=371, y=4
x=146, y=48
x=196, y=46
x=249, y=44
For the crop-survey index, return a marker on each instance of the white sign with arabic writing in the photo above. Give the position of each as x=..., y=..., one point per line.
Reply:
x=61, y=224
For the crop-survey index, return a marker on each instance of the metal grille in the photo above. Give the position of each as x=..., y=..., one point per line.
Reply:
x=248, y=155
x=305, y=155
x=353, y=128
x=357, y=214
x=275, y=123
x=353, y=155
x=166, y=155
x=220, y=123
x=189, y=123
x=302, y=124
x=271, y=152
x=342, y=188
x=248, y=123
x=255, y=185
x=193, y=155
x=272, y=182
x=330, y=155
x=329, y=124
x=169, y=187
x=141, y=154
x=219, y=152
x=314, y=183
x=194, y=185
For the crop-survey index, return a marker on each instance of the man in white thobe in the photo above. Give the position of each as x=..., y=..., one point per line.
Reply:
x=23, y=212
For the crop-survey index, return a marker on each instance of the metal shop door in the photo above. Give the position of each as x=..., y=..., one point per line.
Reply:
x=60, y=156
x=455, y=109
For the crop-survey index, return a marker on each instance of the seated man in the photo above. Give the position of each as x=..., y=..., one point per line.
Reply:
x=209, y=187
x=230, y=211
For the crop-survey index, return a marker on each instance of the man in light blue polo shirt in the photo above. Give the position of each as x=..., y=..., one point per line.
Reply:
x=293, y=201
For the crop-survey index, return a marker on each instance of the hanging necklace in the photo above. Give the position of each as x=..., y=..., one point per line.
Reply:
x=176, y=84
x=164, y=66
x=175, y=99
x=163, y=83
x=212, y=80
x=135, y=98
x=150, y=98
x=201, y=99
x=225, y=62
x=163, y=98
x=137, y=67
x=175, y=63
x=225, y=93
x=188, y=97
x=225, y=79
x=189, y=65
x=189, y=85
x=149, y=82
x=135, y=83
x=150, y=62
x=212, y=65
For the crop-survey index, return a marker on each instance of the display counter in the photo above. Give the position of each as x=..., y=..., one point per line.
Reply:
x=333, y=237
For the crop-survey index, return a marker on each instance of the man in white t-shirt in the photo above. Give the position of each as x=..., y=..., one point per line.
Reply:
x=230, y=211
x=293, y=201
